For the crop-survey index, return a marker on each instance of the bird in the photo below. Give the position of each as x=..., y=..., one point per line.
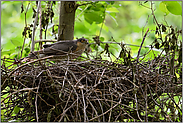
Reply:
x=60, y=48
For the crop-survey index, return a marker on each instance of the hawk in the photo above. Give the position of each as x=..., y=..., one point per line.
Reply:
x=61, y=48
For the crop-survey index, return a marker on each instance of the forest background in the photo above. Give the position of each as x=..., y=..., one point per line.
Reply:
x=112, y=21
x=124, y=21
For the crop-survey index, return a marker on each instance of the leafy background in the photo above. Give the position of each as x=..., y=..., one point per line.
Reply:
x=124, y=21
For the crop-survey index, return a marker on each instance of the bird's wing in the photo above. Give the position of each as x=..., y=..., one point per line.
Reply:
x=62, y=45
x=47, y=45
x=59, y=42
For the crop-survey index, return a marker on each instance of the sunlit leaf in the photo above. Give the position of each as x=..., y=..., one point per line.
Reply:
x=7, y=52
x=112, y=15
x=102, y=38
x=162, y=7
x=96, y=7
x=174, y=7
x=16, y=109
x=112, y=9
x=91, y=17
x=16, y=42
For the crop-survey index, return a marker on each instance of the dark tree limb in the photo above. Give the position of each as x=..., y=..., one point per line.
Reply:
x=66, y=20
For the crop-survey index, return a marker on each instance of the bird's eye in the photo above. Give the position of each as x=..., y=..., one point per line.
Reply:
x=83, y=40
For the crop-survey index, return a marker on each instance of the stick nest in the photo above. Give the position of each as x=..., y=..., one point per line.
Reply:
x=91, y=90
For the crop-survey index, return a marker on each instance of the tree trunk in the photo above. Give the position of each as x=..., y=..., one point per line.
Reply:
x=66, y=20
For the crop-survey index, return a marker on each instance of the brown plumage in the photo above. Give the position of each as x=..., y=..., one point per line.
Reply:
x=60, y=48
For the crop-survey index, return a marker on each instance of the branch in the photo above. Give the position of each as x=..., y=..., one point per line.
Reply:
x=26, y=26
x=142, y=44
x=40, y=24
x=34, y=27
x=45, y=40
x=106, y=111
x=25, y=89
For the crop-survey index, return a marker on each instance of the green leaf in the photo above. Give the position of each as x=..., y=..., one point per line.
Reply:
x=16, y=42
x=113, y=16
x=16, y=109
x=173, y=7
x=96, y=7
x=110, y=2
x=49, y=114
x=102, y=38
x=27, y=50
x=95, y=13
x=7, y=52
x=91, y=17
x=162, y=7
x=112, y=9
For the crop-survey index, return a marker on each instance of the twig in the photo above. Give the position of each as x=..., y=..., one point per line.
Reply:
x=40, y=26
x=84, y=108
x=62, y=115
x=101, y=76
x=142, y=44
x=82, y=11
x=111, y=104
x=25, y=89
x=136, y=101
x=34, y=27
x=162, y=109
x=103, y=21
x=25, y=33
x=2, y=86
x=106, y=111
x=37, y=118
x=93, y=108
x=45, y=40
x=63, y=83
x=154, y=15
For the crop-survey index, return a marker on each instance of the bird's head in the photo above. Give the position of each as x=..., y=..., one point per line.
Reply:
x=82, y=43
x=83, y=40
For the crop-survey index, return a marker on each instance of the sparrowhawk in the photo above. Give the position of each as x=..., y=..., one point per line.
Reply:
x=61, y=48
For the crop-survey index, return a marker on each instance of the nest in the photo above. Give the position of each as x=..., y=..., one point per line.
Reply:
x=91, y=90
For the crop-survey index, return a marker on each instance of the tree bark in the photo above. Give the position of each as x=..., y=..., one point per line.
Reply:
x=66, y=20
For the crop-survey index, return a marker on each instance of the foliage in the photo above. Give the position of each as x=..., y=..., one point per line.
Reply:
x=115, y=29
x=116, y=15
x=171, y=6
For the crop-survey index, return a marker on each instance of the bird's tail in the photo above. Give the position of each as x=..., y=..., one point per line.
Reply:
x=30, y=57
